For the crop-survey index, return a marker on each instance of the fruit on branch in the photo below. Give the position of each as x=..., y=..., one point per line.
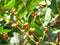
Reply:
x=37, y=43
x=26, y=26
x=12, y=11
x=31, y=32
x=47, y=30
x=35, y=14
x=47, y=33
x=5, y=35
x=14, y=25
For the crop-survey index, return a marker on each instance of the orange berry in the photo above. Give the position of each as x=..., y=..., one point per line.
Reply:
x=5, y=35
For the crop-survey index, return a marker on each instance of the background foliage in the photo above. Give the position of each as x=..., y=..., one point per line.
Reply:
x=47, y=16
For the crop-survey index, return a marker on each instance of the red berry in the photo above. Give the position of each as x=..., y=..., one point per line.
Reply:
x=31, y=31
x=37, y=43
x=26, y=26
x=5, y=35
x=33, y=14
x=47, y=30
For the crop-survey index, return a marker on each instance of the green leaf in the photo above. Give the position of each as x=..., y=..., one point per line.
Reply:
x=38, y=29
x=53, y=5
x=7, y=1
x=31, y=18
x=21, y=12
x=18, y=4
x=2, y=3
x=4, y=30
x=10, y=4
x=34, y=3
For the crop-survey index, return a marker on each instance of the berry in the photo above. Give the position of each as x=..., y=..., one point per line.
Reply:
x=26, y=26
x=37, y=43
x=33, y=14
x=14, y=25
x=5, y=35
x=31, y=31
x=47, y=30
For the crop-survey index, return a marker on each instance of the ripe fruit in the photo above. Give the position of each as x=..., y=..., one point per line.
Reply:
x=14, y=25
x=33, y=14
x=5, y=35
x=47, y=30
x=37, y=43
x=26, y=26
x=31, y=32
